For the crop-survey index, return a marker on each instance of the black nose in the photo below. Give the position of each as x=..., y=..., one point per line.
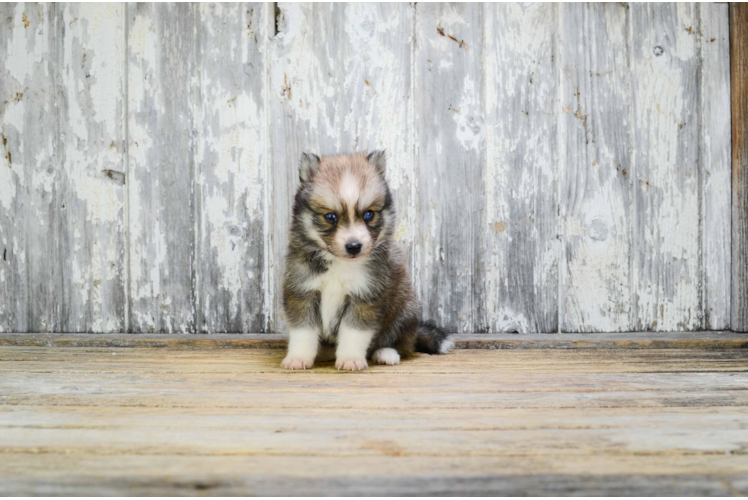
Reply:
x=353, y=248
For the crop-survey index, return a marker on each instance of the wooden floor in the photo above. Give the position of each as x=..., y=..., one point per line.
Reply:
x=201, y=421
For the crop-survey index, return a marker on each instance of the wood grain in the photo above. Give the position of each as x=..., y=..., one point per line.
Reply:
x=739, y=87
x=92, y=163
x=595, y=147
x=450, y=147
x=85, y=420
x=161, y=170
x=231, y=172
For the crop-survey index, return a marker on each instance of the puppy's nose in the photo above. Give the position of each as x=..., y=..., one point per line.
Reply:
x=353, y=248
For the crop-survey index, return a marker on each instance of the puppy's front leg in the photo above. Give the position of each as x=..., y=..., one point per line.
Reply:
x=352, y=346
x=303, y=343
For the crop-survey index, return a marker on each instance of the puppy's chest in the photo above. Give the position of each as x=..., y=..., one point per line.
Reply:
x=335, y=285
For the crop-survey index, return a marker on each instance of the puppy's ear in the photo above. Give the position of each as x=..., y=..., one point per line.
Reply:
x=308, y=166
x=377, y=158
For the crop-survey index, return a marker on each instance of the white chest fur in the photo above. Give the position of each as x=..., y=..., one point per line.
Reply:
x=340, y=280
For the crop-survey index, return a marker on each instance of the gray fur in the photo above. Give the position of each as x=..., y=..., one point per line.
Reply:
x=308, y=166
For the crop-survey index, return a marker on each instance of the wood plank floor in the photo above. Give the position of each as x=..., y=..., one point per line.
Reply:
x=123, y=420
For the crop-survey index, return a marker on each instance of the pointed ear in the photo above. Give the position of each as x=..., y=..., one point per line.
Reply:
x=308, y=166
x=377, y=158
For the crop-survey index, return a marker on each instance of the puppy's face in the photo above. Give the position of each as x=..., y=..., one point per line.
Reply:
x=346, y=205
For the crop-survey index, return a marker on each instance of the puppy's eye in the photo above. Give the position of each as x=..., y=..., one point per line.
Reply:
x=331, y=218
x=368, y=215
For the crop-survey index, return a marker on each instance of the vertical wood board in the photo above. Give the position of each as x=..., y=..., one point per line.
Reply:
x=450, y=158
x=739, y=87
x=91, y=38
x=519, y=231
x=595, y=148
x=161, y=95
x=667, y=257
x=714, y=159
x=231, y=154
x=31, y=284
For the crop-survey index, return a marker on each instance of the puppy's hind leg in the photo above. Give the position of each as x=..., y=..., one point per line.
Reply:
x=386, y=356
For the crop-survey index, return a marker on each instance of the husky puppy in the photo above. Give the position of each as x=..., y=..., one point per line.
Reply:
x=346, y=291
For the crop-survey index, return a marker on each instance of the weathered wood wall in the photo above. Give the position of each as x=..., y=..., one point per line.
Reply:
x=557, y=167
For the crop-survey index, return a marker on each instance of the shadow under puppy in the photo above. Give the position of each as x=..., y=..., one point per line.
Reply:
x=346, y=290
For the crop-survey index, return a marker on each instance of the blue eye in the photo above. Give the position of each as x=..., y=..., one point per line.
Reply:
x=368, y=215
x=331, y=218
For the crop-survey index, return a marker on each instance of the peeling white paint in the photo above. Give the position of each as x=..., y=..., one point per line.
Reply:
x=25, y=52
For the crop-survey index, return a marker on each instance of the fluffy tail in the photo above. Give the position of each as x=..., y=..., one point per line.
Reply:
x=432, y=340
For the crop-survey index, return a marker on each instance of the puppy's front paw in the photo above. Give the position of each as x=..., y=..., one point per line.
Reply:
x=351, y=364
x=291, y=363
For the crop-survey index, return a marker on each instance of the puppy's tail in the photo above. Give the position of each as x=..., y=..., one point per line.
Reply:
x=432, y=340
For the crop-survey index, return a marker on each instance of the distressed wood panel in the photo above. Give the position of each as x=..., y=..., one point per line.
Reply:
x=595, y=149
x=739, y=86
x=519, y=231
x=340, y=80
x=91, y=38
x=714, y=159
x=450, y=159
x=161, y=96
x=231, y=154
x=31, y=206
x=667, y=257
x=556, y=168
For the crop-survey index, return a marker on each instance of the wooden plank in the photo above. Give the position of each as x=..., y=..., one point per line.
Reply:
x=31, y=283
x=595, y=150
x=450, y=162
x=205, y=377
x=517, y=277
x=91, y=69
x=518, y=366
x=667, y=259
x=83, y=420
x=231, y=155
x=739, y=87
x=105, y=418
x=193, y=476
x=353, y=97
x=351, y=440
x=714, y=159
x=161, y=96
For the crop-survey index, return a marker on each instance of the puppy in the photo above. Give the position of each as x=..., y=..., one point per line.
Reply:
x=346, y=290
